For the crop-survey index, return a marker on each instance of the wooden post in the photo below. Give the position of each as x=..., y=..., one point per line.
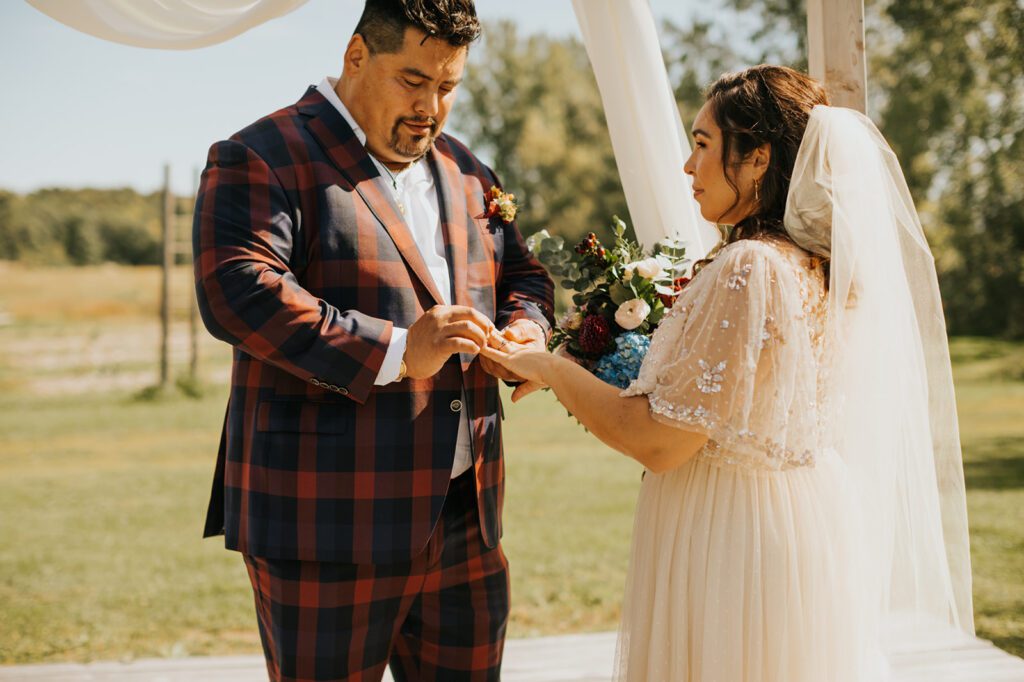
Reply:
x=835, y=50
x=165, y=280
x=193, y=310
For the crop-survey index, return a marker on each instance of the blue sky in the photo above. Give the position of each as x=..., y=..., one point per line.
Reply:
x=81, y=112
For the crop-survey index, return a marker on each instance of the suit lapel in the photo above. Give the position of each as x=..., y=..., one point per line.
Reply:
x=339, y=142
x=454, y=221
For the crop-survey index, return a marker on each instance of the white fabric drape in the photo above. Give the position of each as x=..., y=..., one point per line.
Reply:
x=165, y=24
x=647, y=134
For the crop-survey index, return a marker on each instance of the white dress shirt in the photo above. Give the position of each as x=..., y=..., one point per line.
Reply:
x=415, y=191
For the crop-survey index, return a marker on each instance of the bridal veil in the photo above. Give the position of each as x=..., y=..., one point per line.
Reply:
x=892, y=400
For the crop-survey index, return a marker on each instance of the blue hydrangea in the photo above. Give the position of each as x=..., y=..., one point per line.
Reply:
x=622, y=365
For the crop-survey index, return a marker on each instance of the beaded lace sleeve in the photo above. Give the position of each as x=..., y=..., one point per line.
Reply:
x=735, y=359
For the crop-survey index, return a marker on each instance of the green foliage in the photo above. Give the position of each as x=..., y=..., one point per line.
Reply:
x=82, y=227
x=951, y=82
x=126, y=243
x=714, y=44
x=602, y=278
x=531, y=105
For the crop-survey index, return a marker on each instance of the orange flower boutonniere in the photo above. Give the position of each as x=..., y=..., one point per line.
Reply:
x=501, y=204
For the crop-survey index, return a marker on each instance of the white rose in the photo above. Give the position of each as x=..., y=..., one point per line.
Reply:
x=632, y=314
x=650, y=268
x=627, y=272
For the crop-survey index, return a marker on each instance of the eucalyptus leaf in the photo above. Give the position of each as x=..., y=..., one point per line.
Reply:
x=620, y=294
x=555, y=243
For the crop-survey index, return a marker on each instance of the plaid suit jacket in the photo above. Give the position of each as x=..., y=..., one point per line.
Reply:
x=303, y=263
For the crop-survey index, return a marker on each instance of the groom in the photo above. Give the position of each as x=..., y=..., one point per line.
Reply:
x=343, y=248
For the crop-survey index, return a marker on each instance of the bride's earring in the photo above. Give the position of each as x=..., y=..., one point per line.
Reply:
x=757, y=192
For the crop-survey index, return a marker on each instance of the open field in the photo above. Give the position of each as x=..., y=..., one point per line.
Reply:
x=102, y=494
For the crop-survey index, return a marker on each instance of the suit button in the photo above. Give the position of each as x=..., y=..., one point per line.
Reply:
x=456, y=405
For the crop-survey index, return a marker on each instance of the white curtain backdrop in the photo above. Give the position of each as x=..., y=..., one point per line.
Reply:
x=622, y=41
x=165, y=24
x=647, y=134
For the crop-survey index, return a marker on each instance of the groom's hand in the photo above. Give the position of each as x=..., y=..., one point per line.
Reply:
x=441, y=332
x=525, y=332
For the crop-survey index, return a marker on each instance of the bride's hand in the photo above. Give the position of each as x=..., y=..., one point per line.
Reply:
x=523, y=361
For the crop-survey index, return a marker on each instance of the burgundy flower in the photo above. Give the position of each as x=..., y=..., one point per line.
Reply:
x=595, y=334
x=677, y=285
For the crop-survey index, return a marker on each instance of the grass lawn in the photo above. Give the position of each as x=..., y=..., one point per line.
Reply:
x=102, y=496
x=989, y=377
x=101, y=508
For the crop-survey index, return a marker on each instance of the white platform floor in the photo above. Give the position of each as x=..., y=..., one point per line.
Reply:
x=916, y=655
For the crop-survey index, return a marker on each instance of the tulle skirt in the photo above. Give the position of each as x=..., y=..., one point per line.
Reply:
x=747, y=575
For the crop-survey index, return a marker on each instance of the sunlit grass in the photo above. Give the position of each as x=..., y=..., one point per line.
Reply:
x=102, y=498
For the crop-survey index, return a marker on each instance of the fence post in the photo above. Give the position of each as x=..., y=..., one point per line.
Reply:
x=835, y=50
x=165, y=280
x=193, y=311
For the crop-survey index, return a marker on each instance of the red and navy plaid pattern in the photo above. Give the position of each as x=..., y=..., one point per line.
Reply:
x=304, y=264
x=440, y=616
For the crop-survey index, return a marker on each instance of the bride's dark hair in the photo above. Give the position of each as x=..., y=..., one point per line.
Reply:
x=764, y=104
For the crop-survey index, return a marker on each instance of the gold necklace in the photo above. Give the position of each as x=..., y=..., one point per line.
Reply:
x=394, y=184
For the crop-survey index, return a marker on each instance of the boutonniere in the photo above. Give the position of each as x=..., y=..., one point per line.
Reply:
x=501, y=204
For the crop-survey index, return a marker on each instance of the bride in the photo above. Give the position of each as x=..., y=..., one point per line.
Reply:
x=794, y=414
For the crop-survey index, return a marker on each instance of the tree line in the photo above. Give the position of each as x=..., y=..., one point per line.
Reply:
x=58, y=226
x=946, y=86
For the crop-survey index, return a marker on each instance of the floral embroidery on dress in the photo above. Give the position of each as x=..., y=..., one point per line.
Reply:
x=738, y=278
x=774, y=456
x=710, y=380
x=725, y=324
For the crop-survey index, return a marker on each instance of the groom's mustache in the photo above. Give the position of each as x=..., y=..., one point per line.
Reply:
x=418, y=122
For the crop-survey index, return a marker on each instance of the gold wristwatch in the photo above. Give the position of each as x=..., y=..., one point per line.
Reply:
x=402, y=369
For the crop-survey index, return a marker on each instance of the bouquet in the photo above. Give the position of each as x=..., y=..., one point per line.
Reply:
x=620, y=294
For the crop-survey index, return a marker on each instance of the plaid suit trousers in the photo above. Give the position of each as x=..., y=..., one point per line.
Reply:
x=439, y=616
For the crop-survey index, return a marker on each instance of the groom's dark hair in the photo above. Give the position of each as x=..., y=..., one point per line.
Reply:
x=383, y=23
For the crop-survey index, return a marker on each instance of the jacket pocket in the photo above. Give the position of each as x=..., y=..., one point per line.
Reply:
x=303, y=416
x=490, y=226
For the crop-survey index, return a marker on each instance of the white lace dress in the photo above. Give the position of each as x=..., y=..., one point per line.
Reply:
x=744, y=564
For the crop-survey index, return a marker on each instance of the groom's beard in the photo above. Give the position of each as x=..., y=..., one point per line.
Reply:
x=409, y=145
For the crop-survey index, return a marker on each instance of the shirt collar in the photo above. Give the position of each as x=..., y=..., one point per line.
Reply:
x=326, y=88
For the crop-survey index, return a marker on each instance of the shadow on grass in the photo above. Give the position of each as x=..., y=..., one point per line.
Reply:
x=995, y=464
